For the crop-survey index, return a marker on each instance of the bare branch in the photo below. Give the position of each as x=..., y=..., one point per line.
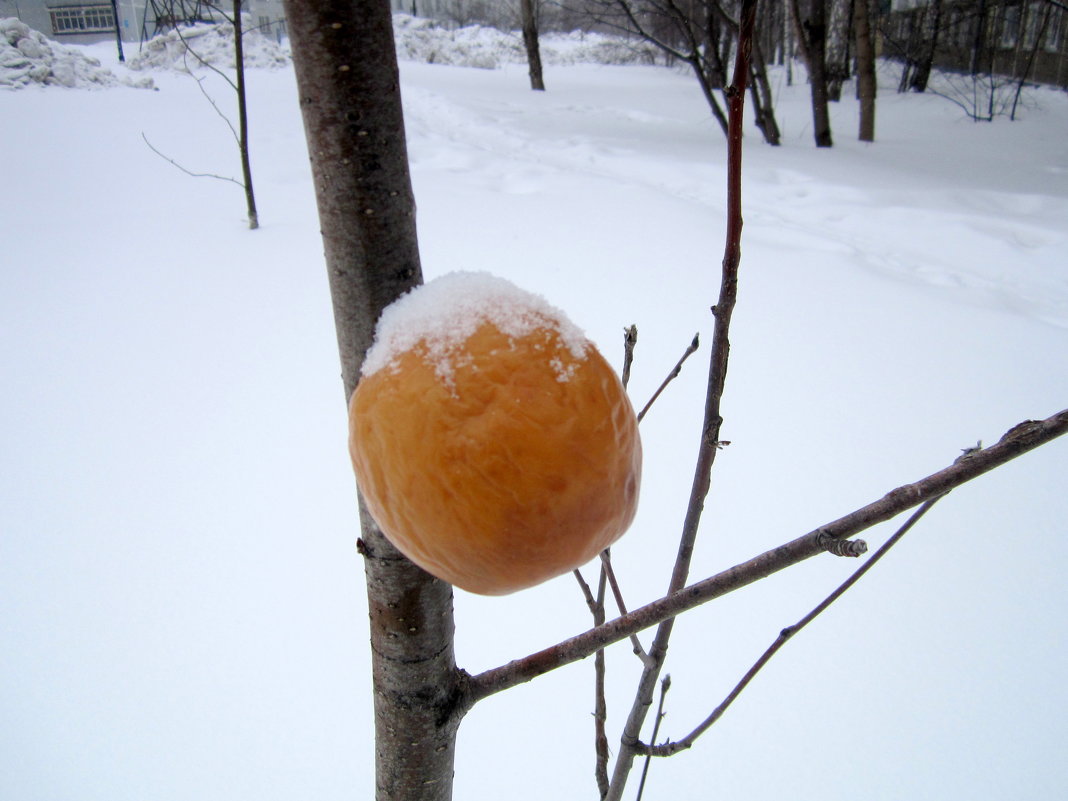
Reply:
x=610, y=573
x=665, y=685
x=600, y=713
x=672, y=375
x=219, y=111
x=717, y=374
x=600, y=705
x=183, y=169
x=630, y=339
x=667, y=749
x=841, y=547
x=1018, y=440
x=587, y=593
x=186, y=50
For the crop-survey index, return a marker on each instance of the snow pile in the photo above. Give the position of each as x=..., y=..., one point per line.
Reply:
x=29, y=57
x=578, y=47
x=443, y=314
x=191, y=48
x=427, y=41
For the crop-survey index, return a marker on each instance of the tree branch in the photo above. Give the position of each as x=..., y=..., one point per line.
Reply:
x=690, y=349
x=713, y=420
x=665, y=685
x=607, y=571
x=1018, y=440
x=630, y=340
x=668, y=749
x=183, y=169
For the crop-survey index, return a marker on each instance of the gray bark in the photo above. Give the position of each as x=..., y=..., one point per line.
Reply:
x=811, y=27
x=866, y=83
x=530, y=42
x=242, y=120
x=349, y=94
x=839, y=18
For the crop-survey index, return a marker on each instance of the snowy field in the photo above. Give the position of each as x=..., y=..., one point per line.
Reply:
x=182, y=611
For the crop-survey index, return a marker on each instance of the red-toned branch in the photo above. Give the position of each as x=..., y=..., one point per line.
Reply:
x=713, y=420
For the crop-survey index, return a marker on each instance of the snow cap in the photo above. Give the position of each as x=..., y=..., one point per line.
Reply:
x=442, y=313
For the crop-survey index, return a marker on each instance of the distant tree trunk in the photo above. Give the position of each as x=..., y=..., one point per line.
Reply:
x=349, y=94
x=763, y=99
x=811, y=28
x=118, y=29
x=530, y=41
x=1040, y=34
x=921, y=72
x=714, y=46
x=979, y=48
x=837, y=52
x=242, y=121
x=866, y=84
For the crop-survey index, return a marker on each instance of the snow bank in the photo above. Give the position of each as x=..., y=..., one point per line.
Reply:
x=417, y=39
x=29, y=57
x=442, y=314
x=428, y=41
x=194, y=47
x=473, y=46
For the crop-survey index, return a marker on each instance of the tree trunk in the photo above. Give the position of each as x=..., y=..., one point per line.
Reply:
x=763, y=99
x=1040, y=34
x=837, y=53
x=811, y=28
x=866, y=84
x=349, y=94
x=976, y=62
x=921, y=73
x=242, y=121
x=708, y=90
x=530, y=42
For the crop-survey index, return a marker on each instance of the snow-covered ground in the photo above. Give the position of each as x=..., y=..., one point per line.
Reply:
x=181, y=602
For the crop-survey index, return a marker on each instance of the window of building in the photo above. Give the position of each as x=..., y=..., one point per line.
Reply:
x=1053, y=31
x=82, y=19
x=1010, y=27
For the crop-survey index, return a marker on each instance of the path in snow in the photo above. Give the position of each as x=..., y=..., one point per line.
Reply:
x=869, y=206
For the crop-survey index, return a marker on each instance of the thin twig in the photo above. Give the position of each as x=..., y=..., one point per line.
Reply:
x=691, y=348
x=600, y=705
x=186, y=49
x=218, y=111
x=713, y=420
x=183, y=169
x=609, y=571
x=600, y=702
x=587, y=593
x=1015, y=442
x=665, y=685
x=630, y=339
x=667, y=749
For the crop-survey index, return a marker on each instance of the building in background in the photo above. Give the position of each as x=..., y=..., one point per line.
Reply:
x=82, y=22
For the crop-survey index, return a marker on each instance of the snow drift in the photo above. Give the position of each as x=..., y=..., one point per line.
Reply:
x=29, y=57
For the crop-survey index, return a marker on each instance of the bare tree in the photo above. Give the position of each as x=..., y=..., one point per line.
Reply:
x=349, y=87
x=349, y=95
x=921, y=72
x=529, y=14
x=838, y=58
x=176, y=13
x=1038, y=27
x=866, y=83
x=700, y=34
x=242, y=119
x=810, y=24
